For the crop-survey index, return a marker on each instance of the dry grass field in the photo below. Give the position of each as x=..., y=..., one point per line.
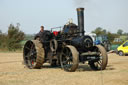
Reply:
x=12, y=72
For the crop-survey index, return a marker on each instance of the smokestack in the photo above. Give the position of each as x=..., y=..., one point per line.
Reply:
x=80, y=14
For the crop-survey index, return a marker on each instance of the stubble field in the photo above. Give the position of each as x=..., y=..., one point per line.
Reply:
x=13, y=72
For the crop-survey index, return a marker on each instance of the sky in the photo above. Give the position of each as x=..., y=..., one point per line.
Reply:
x=31, y=14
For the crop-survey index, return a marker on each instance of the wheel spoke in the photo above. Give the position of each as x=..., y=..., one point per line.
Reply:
x=29, y=63
x=70, y=54
x=27, y=48
x=65, y=62
x=100, y=63
x=33, y=53
x=64, y=54
x=32, y=46
x=96, y=64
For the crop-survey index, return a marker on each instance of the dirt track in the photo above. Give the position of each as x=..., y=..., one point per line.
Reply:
x=12, y=72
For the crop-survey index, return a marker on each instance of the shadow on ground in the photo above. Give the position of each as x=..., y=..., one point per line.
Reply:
x=80, y=68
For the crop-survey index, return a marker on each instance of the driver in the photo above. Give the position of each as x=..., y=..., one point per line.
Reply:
x=39, y=35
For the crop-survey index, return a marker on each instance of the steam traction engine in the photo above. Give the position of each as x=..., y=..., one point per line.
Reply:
x=66, y=48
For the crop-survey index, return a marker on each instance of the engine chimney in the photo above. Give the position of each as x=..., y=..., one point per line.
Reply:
x=80, y=14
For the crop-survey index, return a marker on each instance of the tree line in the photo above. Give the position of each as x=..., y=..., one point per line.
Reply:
x=11, y=40
x=100, y=31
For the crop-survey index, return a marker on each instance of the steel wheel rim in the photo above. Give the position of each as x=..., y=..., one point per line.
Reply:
x=100, y=61
x=30, y=54
x=66, y=59
x=98, y=64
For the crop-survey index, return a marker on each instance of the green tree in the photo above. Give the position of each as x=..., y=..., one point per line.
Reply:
x=125, y=33
x=3, y=39
x=99, y=31
x=111, y=36
x=0, y=32
x=104, y=31
x=14, y=37
x=119, y=31
x=0, y=37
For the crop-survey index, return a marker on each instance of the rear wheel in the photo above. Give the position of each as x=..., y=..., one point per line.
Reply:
x=101, y=63
x=69, y=58
x=33, y=54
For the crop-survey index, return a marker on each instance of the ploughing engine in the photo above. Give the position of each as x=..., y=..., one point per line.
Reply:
x=66, y=48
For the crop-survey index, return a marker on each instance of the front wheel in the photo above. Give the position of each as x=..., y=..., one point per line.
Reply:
x=69, y=58
x=120, y=53
x=103, y=59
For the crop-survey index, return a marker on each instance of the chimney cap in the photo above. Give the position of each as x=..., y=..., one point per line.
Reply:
x=80, y=9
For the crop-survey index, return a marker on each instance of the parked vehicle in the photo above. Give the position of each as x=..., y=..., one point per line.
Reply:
x=103, y=40
x=123, y=49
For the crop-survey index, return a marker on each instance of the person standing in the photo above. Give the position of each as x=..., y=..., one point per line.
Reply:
x=39, y=36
